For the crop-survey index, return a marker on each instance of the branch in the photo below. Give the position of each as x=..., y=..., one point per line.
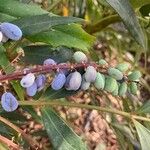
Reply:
x=46, y=69
x=98, y=108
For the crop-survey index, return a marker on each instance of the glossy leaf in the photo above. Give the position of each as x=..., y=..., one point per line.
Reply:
x=39, y=23
x=6, y=18
x=66, y=35
x=126, y=12
x=37, y=54
x=144, y=135
x=18, y=9
x=60, y=134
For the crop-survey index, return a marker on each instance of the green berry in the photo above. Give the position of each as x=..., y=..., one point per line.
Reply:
x=115, y=92
x=102, y=62
x=122, y=89
x=134, y=76
x=110, y=84
x=123, y=67
x=79, y=57
x=99, y=81
x=133, y=88
x=115, y=73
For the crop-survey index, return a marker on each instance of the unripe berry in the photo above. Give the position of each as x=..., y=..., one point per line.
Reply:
x=90, y=74
x=115, y=73
x=123, y=67
x=73, y=81
x=122, y=89
x=9, y=102
x=110, y=84
x=40, y=81
x=31, y=91
x=49, y=61
x=133, y=88
x=102, y=62
x=58, y=81
x=11, y=31
x=115, y=92
x=99, y=81
x=27, y=80
x=79, y=57
x=135, y=75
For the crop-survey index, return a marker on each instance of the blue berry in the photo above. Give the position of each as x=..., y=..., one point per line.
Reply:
x=73, y=81
x=90, y=74
x=27, y=80
x=9, y=102
x=31, y=91
x=40, y=81
x=11, y=31
x=49, y=61
x=84, y=85
x=58, y=81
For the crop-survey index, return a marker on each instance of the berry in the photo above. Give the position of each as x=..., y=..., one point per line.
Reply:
x=123, y=67
x=102, y=62
x=27, y=80
x=90, y=74
x=40, y=81
x=135, y=75
x=79, y=57
x=31, y=91
x=99, y=81
x=11, y=31
x=122, y=89
x=110, y=84
x=49, y=61
x=1, y=36
x=115, y=73
x=115, y=92
x=84, y=85
x=73, y=81
x=9, y=102
x=58, y=81
x=133, y=88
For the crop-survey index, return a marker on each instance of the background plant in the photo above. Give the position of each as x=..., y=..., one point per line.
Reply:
x=100, y=34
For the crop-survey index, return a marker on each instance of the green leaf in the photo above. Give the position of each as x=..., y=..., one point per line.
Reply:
x=60, y=134
x=145, y=108
x=18, y=88
x=6, y=18
x=139, y=4
x=39, y=23
x=18, y=9
x=66, y=35
x=53, y=94
x=144, y=135
x=4, y=61
x=37, y=54
x=126, y=12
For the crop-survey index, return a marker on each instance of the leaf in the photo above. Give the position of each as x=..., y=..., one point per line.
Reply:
x=144, y=135
x=4, y=61
x=37, y=54
x=66, y=35
x=53, y=94
x=19, y=90
x=145, y=108
x=18, y=9
x=139, y=4
x=60, y=134
x=125, y=11
x=6, y=18
x=39, y=23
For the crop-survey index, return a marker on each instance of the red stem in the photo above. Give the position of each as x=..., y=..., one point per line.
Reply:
x=45, y=69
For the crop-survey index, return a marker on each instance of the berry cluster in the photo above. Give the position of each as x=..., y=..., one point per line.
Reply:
x=9, y=31
x=115, y=80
